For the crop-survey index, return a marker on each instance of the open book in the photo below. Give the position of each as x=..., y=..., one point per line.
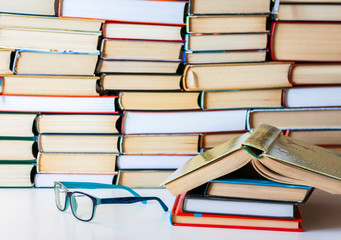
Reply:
x=275, y=156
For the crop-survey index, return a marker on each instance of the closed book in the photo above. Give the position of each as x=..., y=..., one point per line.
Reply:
x=229, y=7
x=140, y=31
x=126, y=81
x=54, y=104
x=225, y=41
x=17, y=124
x=151, y=161
x=180, y=218
x=299, y=97
x=49, y=85
x=195, y=201
x=5, y=61
x=78, y=143
x=306, y=41
x=80, y=163
x=247, y=183
x=178, y=144
x=236, y=76
x=215, y=57
x=141, y=50
x=54, y=62
x=147, y=100
x=296, y=118
x=142, y=122
x=133, y=66
x=142, y=178
x=46, y=39
x=42, y=180
x=166, y=12
x=17, y=174
x=226, y=23
x=18, y=149
x=78, y=123
x=35, y=7
x=320, y=137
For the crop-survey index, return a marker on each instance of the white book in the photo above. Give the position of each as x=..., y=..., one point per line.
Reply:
x=127, y=10
x=151, y=161
x=183, y=121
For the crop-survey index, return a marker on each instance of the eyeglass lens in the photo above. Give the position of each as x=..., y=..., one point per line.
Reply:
x=82, y=206
x=60, y=196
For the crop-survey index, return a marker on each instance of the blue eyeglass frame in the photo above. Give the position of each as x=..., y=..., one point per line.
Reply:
x=98, y=201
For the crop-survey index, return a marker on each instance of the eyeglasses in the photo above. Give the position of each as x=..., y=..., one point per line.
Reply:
x=83, y=205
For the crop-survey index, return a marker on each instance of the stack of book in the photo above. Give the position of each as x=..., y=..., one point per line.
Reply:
x=52, y=62
x=308, y=34
x=252, y=182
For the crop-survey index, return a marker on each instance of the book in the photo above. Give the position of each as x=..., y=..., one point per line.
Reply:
x=210, y=140
x=140, y=122
x=49, y=23
x=83, y=163
x=298, y=118
x=49, y=85
x=78, y=123
x=305, y=41
x=18, y=149
x=147, y=161
x=160, y=144
x=148, y=100
x=180, y=218
x=229, y=7
x=236, y=76
x=140, y=81
x=139, y=31
x=5, y=60
x=54, y=104
x=166, y=12
x=34, y=7
x=236, y=56
x=17, y=175
x=72, y=143
x=321, y=11
x=17, y=124
x=54, y=62
x=195, y=201
x=142, y=178
x=140, y=50
x=226, y=23
x=260, y=98
x=300, y=97
x=42, y=180
x=320, y=137
x=247, y=183
x=45, y=39
x=274, y=156
x=215, y=42
x=130, y=66
x=318, y=73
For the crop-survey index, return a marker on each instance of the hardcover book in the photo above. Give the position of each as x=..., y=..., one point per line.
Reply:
x=273, y=155
x=181, y=218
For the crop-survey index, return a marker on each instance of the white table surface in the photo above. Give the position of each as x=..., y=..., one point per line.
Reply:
x=32, y=214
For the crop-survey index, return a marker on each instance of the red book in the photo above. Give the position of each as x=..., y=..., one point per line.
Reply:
x=180, y=218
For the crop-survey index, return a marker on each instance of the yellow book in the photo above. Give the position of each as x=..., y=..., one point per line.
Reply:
x=275, y=156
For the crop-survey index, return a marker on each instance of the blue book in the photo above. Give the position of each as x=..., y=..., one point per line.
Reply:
x=246, y=183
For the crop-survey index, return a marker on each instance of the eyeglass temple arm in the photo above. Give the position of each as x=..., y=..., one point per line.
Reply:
x=91, y=185
x=127, y=200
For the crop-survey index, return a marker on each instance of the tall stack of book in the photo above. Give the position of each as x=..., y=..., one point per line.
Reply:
x=308, y=34
x=53, y=63
x=252, y=182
